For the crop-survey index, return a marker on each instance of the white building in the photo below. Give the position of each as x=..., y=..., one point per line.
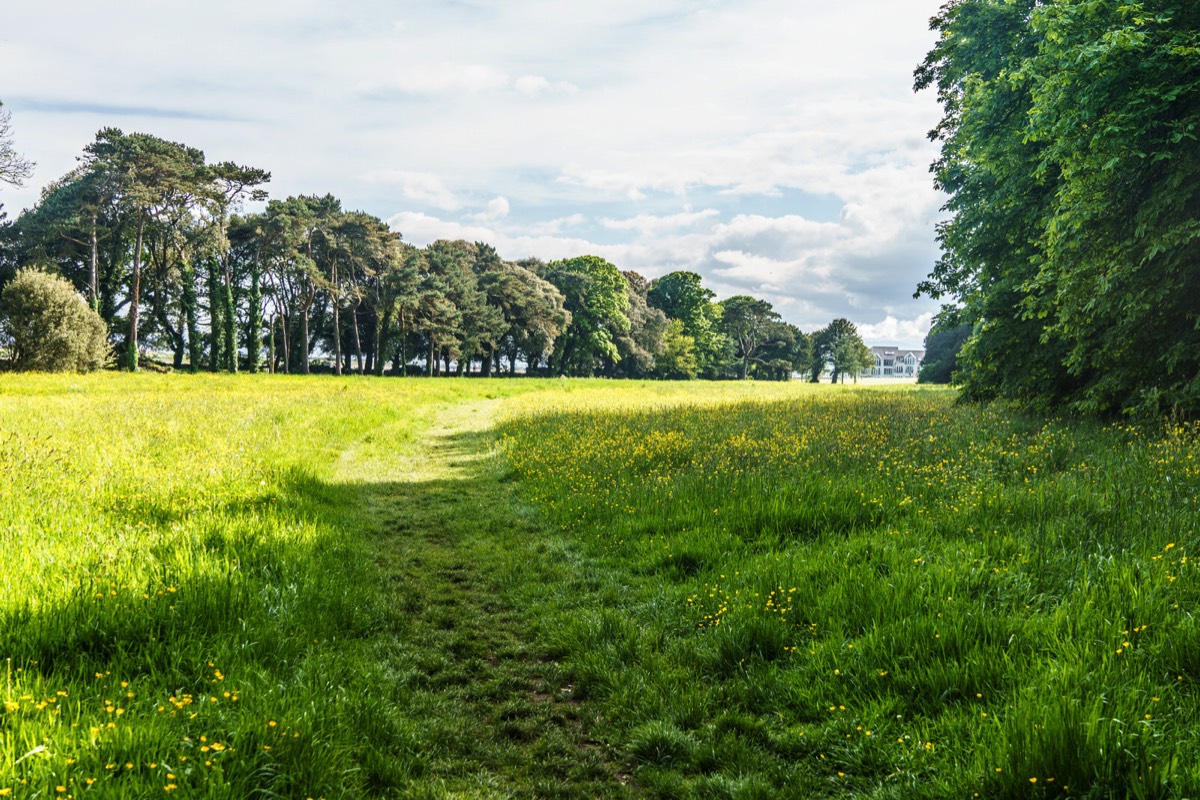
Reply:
x=894, y=362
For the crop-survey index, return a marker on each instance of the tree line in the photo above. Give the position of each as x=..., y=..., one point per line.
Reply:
x=1071, y=157
x=156, y=239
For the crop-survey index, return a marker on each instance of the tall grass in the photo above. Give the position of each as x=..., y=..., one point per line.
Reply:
x=187, y=597
x=879, y=593
x=219, y=586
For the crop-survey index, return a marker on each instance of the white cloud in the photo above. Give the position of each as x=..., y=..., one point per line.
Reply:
x=428, y=79
x=419, y=187
x=906, y=333
x=653, y=224
x=554, y=226
x=497, y=208
x=421, y=229
x=626, y=184
x=534, y=85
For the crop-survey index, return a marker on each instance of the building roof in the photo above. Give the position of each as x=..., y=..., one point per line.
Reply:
x=897, y=352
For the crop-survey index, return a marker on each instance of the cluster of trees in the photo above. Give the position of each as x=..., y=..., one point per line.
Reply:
x=152, y=235
x=1071, y=156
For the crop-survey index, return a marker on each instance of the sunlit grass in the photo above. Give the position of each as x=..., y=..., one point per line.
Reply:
x=185, y=584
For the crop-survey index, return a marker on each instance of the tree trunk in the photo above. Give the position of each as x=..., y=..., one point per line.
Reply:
x=304, y=338
x=214, y=317
x=358, y=353
x=254, y=320
x=307, y=343
x=381, y=323
x=402, y=351
x=135, y=291
x=95, y=265
x=230, y=326
x=337, y=320
x=287, y=350
x=188, y=277
x=271, y=348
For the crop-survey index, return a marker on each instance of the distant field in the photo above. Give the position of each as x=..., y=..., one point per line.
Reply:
x=314, y=587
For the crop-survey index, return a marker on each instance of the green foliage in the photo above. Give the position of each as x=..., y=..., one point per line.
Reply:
x=1070, y=154
x=838, y=344
x=942, y=346
x=747, y=322
x=596, y=295
x=682, y=297
x=49, y=327
x=785, y=349
x=678, y=360
x=640, y=348
x=159, y=183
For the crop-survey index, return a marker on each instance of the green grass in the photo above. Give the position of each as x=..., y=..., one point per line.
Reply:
x=441, y=588
x=248, y=587
x=879, y=594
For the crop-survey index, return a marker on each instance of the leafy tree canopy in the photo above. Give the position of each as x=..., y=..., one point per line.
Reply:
x=597, y=297
x=1071, y=154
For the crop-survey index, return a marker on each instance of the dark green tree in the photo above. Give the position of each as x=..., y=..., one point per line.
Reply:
x=230, y=186
x=943, y=344
x=784, y=350
x=838, y=346
x=747, y=322
x=153, y=177
x=645, y=341
x=681, y=296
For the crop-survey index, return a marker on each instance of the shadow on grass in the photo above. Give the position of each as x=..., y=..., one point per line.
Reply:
x=374, y=616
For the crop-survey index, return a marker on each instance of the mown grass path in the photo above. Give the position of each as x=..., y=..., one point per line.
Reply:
x=484, y=713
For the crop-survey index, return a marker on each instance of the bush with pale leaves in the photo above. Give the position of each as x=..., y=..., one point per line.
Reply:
x=47, y=326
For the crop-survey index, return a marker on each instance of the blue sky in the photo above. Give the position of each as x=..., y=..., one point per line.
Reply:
x=776, y=148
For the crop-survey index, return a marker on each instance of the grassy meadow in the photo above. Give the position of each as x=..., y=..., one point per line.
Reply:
x=270, y=586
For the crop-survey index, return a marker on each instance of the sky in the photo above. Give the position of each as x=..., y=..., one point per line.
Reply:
x=774, y=147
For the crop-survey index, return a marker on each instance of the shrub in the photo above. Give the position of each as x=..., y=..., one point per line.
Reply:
x=49, y=327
